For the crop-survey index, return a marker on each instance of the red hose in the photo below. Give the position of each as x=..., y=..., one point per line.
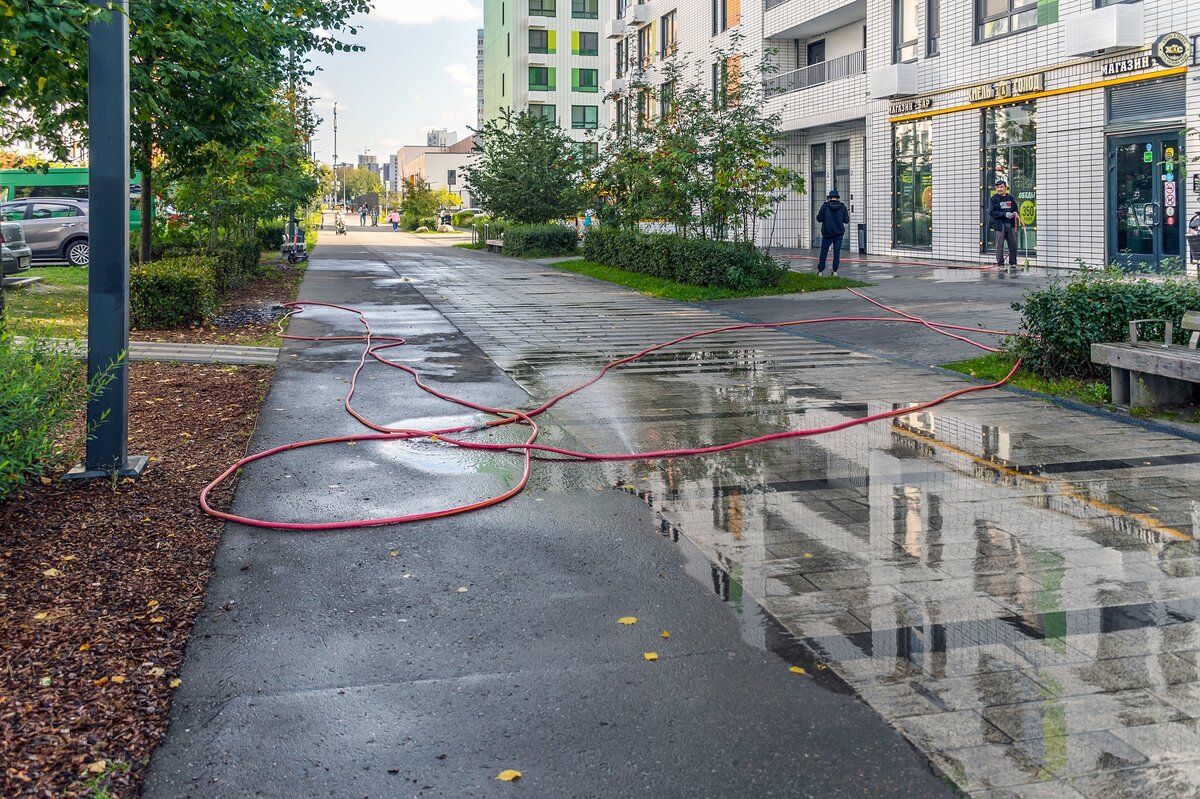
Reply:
x=529, y=446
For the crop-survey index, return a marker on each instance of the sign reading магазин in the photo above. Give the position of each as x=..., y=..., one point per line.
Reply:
x=1172, y=49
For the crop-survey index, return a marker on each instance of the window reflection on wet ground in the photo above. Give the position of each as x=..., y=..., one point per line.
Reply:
x=1014, y=586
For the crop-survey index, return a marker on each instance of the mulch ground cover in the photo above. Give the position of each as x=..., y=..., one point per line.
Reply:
x=100, y=583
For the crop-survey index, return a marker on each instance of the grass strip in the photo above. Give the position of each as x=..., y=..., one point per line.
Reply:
x=55, y=307
x=791, y=283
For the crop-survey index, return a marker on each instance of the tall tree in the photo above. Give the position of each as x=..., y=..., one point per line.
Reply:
x=528, y=171
x=203, y=71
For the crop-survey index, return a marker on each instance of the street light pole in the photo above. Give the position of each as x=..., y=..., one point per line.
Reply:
x=106, y=454
x=335, y=161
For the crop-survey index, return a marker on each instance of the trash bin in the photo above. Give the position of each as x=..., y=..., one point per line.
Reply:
x=1194, y=247
x=862, y=238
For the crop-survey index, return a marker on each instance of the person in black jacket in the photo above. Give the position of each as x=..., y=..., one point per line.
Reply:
x=833, y=217
x=1002, y=211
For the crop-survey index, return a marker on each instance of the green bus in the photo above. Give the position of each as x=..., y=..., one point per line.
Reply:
x=71, y=181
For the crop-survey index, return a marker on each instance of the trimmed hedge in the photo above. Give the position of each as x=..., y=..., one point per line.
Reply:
x=173, y=292
x=543, y=240
x=1067, y=319
x=237, y=263
x=269, y=235
x=701, y=262
x=462, y=218
x=41, y=391
x=495, y=227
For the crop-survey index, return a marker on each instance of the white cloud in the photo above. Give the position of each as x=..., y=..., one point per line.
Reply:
x=460, y=74
x=421, y=12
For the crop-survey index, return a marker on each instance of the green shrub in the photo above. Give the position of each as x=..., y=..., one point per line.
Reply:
x=41, y=391
x=430, y=222
x=409, y=221
x=489, y=228
x=172, y=292
x=1064, y=320
x=269, y=235
x=462, y=218
x=540, y=240
x=701, y=262
x=237, y=263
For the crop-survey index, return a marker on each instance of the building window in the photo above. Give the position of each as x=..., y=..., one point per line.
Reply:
x=585, y=117
x=586, y=150
x=502, y=76
x=508, y=45
x=718, y=84
x=541, y=42
x=912, y=184
x=997, y=17
x=669, y=43
x=933, y=26
x=622, y=114
x=541, y=8
x=451, y=177
x=622, y=49
x=904, y=30
x=585, y=9
x=1010, y=152
x=643, y=109
x=666, y=98
x=545, y=111
x=726, y=14
x=541, y=79
x=645, y=47
x=733, y=79
x=584, y=43
x=585, y=80
x=622, y=7
x=502, y=13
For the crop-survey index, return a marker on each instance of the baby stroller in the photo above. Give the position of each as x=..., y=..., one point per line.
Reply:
x=339, y=226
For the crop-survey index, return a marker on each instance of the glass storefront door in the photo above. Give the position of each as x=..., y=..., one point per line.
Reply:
x=1146, y=201
x=818, y=174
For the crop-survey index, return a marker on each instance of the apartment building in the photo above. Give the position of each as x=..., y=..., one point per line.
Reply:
x=479, y=79
x=547, y=56
x=914, y=108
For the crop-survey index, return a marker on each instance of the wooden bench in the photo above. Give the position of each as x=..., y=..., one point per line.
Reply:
x=495, y=245
x=1153, y=374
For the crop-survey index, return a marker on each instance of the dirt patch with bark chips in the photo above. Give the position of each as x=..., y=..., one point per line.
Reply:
x=100, y=583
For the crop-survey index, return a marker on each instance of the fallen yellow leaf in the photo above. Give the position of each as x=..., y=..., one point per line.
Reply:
x=797, y=670
x=67, y=558
x=52, y=573
x=41, y=616
x=84, y=647
x=650, y=656
x=45, y=480
x=157, y=671
x=118, y=679
x=97, y=766
x=175, y=683
x=395, y=553
x=627, y=620
x=100, y=681
x=157, y=620
x=665, y=634
x=153, y=603
x=508, y=775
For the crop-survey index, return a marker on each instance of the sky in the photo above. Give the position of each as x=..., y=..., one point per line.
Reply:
x=417, y=74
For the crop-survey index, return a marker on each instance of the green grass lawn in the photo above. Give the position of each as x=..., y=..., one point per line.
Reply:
x=994, y=366
x=792, y=283
x=466, y=245
x=56, y=307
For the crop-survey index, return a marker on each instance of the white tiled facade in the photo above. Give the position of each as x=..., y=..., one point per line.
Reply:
x=1074, y=202
x=507, y=59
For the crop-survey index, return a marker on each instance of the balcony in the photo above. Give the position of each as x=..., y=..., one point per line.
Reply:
x=615, y=29
x=1098, y=30
x=809, y=19
x=815, y=74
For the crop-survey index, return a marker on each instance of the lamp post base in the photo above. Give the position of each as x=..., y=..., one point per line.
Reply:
x=133, y=468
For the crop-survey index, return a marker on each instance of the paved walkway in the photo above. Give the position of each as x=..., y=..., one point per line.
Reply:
x=1012, y=586
x=183, y=353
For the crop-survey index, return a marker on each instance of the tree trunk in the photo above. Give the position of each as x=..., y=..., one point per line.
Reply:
x=147, y=200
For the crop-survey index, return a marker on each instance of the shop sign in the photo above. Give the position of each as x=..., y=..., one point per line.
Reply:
x=910, y=106
x=1014, y=87
x=1135, y=64
x=1169, y=50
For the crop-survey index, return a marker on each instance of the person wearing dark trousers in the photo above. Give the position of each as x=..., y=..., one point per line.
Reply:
x=833, y=217
x=1002, y=211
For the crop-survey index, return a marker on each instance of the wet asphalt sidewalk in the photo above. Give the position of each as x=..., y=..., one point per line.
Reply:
x=423, y=660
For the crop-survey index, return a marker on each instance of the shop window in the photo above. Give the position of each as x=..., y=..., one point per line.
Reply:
x=585, y=9
x=670, y=41
x=541, y=42
x=584, y=43
x=998, y=17
x=541, y=8
x=585, y=117
x=904, y=30
x=912, y=184
x=585, y=80
x=1010, y=152
x=541, y=79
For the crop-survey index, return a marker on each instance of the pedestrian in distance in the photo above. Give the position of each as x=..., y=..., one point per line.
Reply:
x=362, y=215
x=833, y=217
x=394, y=218
x=1002, y=211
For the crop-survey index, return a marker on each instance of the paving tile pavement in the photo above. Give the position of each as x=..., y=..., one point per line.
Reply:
x=1014, y=585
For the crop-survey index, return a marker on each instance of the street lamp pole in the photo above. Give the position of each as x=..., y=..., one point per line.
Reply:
x=335, y=161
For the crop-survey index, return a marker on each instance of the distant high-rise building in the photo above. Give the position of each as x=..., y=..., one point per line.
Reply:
x=367, y=160
x=393, y=172
x=479, y=80
x=441, y=138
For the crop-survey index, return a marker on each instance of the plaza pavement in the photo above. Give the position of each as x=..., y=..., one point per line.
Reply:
x=1012, y=585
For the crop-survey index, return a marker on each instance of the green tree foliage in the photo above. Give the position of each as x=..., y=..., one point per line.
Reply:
x=353, y=181
x=710, y=164
x=528, y=171
x=419, y=201
x=203, y=72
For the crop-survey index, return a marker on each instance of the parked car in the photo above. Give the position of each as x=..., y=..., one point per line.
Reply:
x=15, y=253
x=56, y=228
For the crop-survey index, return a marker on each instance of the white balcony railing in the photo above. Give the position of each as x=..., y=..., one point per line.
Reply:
x=816, y=74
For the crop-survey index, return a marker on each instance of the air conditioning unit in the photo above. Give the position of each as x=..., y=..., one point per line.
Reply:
x=894, y=80
x=615, y=29
x=614, y=86
x=1098, y=30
